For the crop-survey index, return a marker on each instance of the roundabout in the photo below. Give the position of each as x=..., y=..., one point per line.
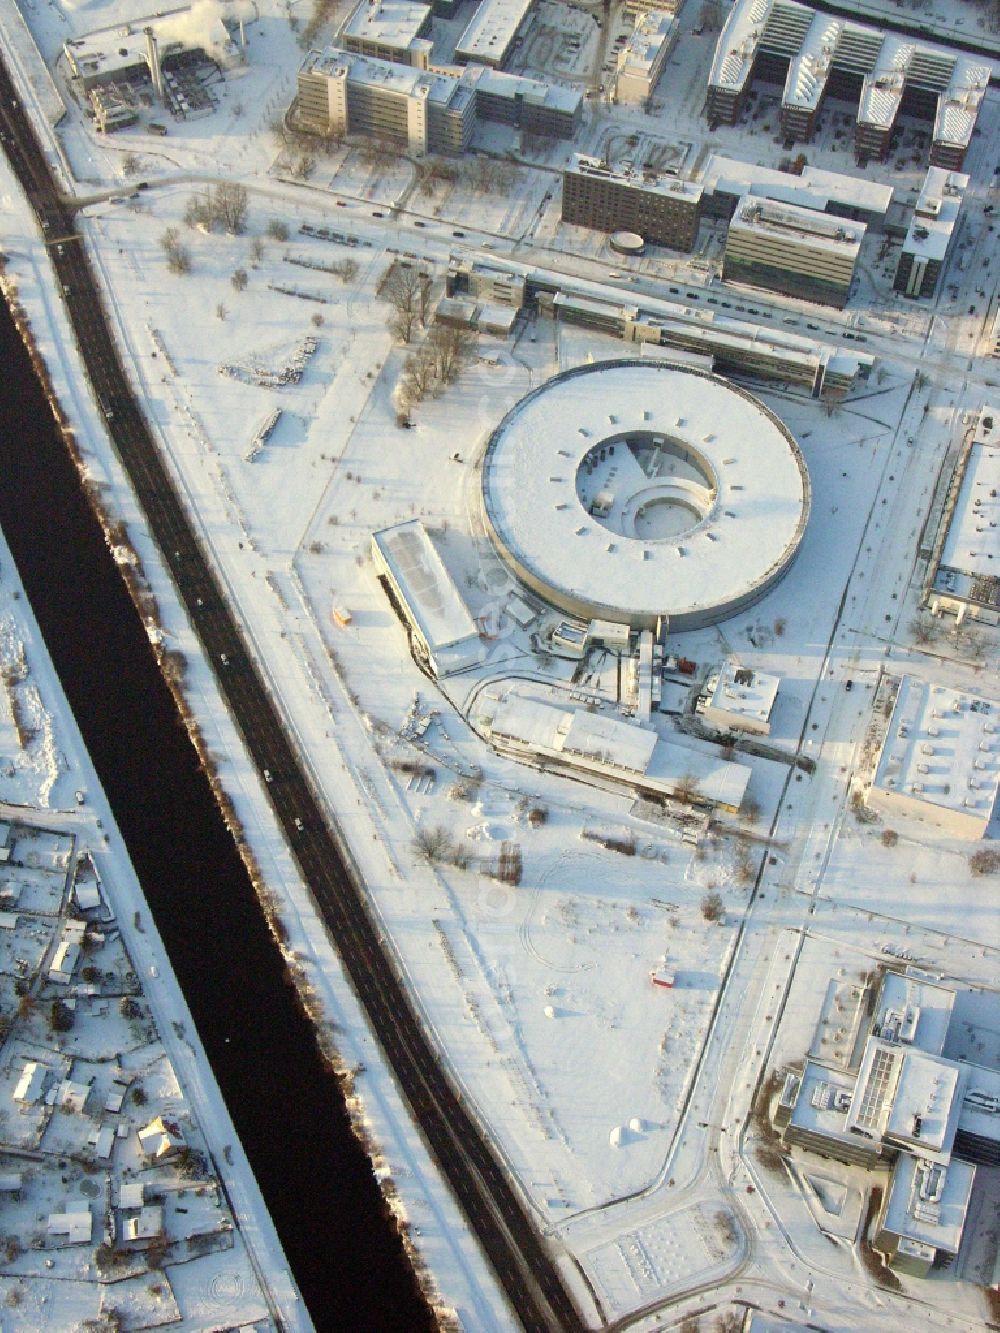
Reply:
x=631, y=491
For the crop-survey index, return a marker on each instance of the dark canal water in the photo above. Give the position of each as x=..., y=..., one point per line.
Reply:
x=316, y=1181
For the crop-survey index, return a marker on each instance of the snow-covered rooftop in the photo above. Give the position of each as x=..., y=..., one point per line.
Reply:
x=914, y=1009
x=619, y=749
x=717, y=453
x=815, y=43
x=791, y=222
x=928, y=1203
x=936, y=213
x=491, y=30
x=815, y=188
x=432, y=597
x=441, y=89
x=648, y=181
x=972, y=546
x=746, y=693
x=393, y=23
x=534, y=92
x=908, y=1095
x=942, y=747
x=647, y=43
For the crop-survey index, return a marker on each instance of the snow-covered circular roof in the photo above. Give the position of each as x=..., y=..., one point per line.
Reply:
x=628, y=490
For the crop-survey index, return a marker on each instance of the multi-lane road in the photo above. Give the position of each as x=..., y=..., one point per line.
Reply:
x=492, y=1204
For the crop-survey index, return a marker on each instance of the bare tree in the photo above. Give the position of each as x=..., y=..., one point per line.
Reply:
x=231, y=204
x=401, y=287
x=131, y=163
x=277, y=230
x=239, y=280
x=419, y=374
x=221, y=311
x=400, y=324
x=450, y=348
x=256, y=250
x=178, y=257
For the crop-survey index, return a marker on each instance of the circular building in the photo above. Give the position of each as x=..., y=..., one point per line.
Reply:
x=627, y=243
x=632, y=490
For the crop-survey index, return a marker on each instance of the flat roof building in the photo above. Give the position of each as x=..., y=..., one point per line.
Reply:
x=531, y=105
x=493, y=32
x=611, y=751
x=444, y=635
x=641, y=60
x=739, y=699
x=931, y=232
x=661, y=209
x=814, y=54
x=966, y=564
x=932, y=1119
x=395, y=30
x=793, y=250
x=727, y=179
x=923, y=1213
x=940, y=759
x=342, y=93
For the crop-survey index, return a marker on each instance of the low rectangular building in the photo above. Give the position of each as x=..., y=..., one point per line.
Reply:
x=470, y=277
x=493, y=32
x=940, y=759
x=395, y=30
x=797, y=251
x=726, y=180
x=931, y=233
x=661, y=209
x=531, y=105
x=924, y=1213
x=444, y=634
x=966, y=577
x=615, y=753
x=739, y=699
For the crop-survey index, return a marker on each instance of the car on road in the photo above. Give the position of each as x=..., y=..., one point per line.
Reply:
x=418, y=223
x=377, y=214
x=459, y=234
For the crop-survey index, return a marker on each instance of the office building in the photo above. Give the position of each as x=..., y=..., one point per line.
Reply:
x=965, y=562
x=737, y=698
x=395, y=30
x=793, y=250
x=904, y=1104
x=640, y=62
x=529, y=104
x=342, y=93
x=931, y=232
x=661, y=209
x=493, y=32
x=726, y=180
x=940, y=759
x=814, y=54
x=443, y=634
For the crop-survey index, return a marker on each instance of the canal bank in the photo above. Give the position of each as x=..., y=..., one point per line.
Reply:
x=286, y=1105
